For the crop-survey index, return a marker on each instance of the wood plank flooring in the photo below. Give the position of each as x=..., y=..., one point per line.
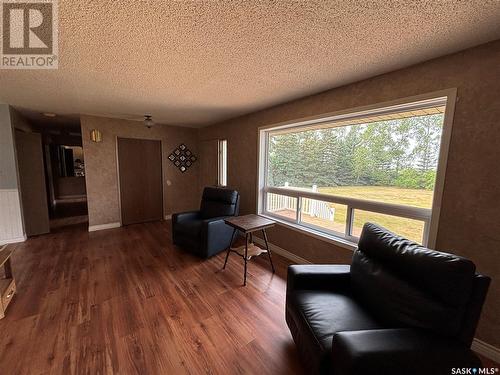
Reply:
x=127, y=301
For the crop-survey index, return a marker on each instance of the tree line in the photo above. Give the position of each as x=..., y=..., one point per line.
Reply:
x=402, y=153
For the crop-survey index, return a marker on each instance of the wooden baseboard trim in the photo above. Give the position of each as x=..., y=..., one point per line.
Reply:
x=93, y=228
x=7, y=241
x=69, y=197
x=486, y=350
x=284, y=253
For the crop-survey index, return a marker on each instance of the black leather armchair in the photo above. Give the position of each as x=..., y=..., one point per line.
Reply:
x=204, y=232
x=399, y=308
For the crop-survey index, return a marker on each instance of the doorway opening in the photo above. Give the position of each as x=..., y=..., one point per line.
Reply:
x=51, y=168
x=65, y=166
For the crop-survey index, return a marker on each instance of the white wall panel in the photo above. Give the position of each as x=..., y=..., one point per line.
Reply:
x=11, y=223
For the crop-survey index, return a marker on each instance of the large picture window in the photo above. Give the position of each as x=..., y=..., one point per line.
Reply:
x=332, y=175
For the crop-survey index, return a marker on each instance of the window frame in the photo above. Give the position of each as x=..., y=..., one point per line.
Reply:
x=222, y=162
x=430, y=216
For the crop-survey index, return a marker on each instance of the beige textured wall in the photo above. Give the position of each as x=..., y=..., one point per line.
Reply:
x=470, y=222
x=8, y=174
x=69, y=186
x=101, y=167
x=20, y=122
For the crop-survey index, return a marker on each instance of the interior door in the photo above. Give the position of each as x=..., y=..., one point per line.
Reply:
x=140, y=170
x=32, y=183
x=209, y=159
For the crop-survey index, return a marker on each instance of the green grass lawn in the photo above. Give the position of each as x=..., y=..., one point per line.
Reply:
x=388, y=194
x=408, y=228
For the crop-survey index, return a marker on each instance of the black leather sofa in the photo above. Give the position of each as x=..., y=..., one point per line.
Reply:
x=399, y=308
x=204, y=232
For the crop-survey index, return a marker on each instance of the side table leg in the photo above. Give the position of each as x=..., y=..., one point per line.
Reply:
x=245, y=258
x=268, y=249
x=229, y=248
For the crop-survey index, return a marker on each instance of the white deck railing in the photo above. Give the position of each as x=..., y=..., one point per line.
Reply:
x=294, y=196
x=311, y=207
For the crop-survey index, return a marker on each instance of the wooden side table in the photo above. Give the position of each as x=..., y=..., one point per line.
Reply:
x=248, y=224
x=7, y=284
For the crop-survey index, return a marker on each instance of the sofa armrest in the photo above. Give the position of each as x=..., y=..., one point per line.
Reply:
x=183, y=216
x=318, y=276
x=217, y=235
x=214, y=221
x=398, y=351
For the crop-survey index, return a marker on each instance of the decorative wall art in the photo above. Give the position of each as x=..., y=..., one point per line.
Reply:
x=182, y=157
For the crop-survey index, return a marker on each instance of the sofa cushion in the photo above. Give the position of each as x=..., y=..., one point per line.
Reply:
x=397, y=302
x=189, y=228
x=327, y=313
x=218, y=202
x=399, y=351
x=404, y=283
x=448, y=277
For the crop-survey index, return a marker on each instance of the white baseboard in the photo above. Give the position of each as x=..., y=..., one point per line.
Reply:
x=168, y=217
x=486, y=350
x=93, y=228
x=6, y=241
x=280, y=251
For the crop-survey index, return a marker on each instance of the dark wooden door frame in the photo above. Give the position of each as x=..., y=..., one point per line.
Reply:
x=31, y=176
x=118, y=174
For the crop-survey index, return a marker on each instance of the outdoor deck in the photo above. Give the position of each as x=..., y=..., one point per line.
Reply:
x=307, y=219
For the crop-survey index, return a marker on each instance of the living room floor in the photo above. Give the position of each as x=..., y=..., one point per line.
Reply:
x=127, y=301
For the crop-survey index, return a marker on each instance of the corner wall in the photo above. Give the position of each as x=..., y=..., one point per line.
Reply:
x=8, y=171
x=470, y=221
x=11, y=222
x=180, y=190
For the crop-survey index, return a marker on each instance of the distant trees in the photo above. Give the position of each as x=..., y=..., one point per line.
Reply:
x=400, y=153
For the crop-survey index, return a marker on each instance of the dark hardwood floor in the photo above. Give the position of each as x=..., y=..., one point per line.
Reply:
x=127, y=301
x=68, y=212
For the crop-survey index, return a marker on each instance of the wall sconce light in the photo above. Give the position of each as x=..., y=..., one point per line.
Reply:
x=95, y=136
x=148, y=121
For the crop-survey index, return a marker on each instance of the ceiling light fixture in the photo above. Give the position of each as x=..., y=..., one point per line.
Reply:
x=49, y=114
x=148, y=121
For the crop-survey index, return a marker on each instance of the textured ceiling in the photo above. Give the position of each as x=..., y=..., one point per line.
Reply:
x=196, y=63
